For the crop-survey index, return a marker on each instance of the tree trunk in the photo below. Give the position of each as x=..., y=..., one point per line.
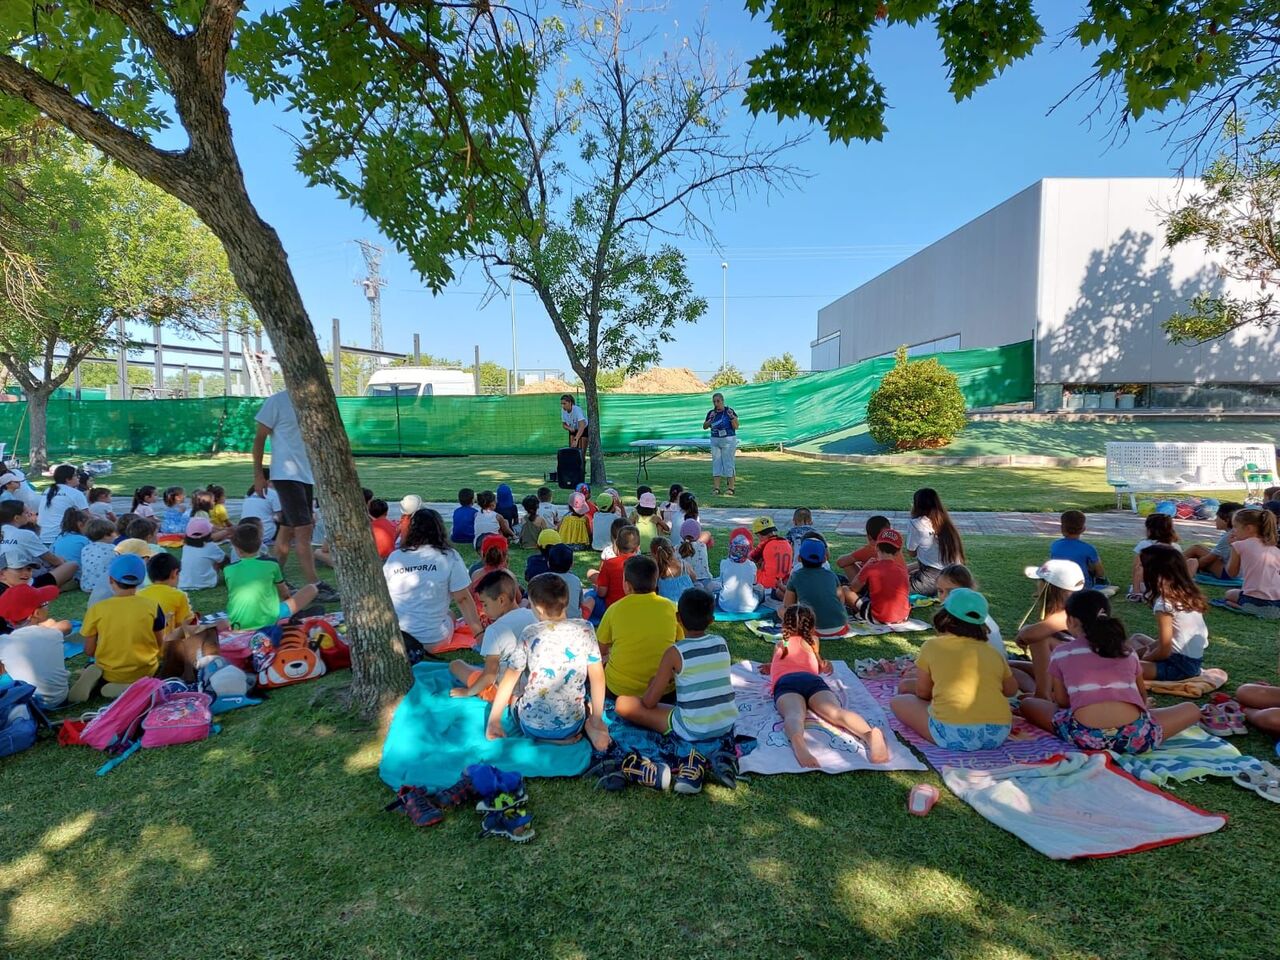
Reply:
x=594, y=442
x=38, y=431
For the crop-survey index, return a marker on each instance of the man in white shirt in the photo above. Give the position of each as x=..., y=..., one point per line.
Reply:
x=293, y=482
x=574, y=422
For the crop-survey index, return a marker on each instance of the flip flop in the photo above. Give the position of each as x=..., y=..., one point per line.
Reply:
x=921, y=799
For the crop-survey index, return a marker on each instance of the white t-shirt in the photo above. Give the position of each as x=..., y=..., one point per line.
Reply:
x=571, y=418
x=1190, y=635
x=995, y=638
x=34, y=655
x=698, y=562
x=265, y=509
x=501, y=636
x=1143, y=544
x=22, y=541
x=601, y=527
x=289, y=460
x=200, y=566
x=737, y=586
x=145, y=510
x=51, y=511
x=422, y=583
x=922, y=539
x=95, y=558
x=100, y=509
x=486, y=523
x=548, y=512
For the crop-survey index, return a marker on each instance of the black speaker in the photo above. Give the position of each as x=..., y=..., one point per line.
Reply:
x=571, y=468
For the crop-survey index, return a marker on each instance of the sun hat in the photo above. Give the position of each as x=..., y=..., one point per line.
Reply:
x=128, y=569
x=495, y=540
x=199, y=527
x=648, y=501
x=18, y=603
x=762, y=525
x=691, y=528
x=16, y=560
x=549, y=538
x=605, y=501
x=135, y=547
x=1065, y=574
x=9, y=478
x=967, y=605
x=739, y=547
x=410, y=503
x=890, y=537
x=578, y=504
x=813, y=551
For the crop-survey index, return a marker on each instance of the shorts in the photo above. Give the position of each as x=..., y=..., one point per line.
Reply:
x=285, y=612
x=43, y=580
x=1139, y=736
x=862, y=611
x=805, y=684
x=487, y=694
x=563, y=733
x=967, y=737
x=1248, y=601
x=924, y=580
x=296, y=498
x=1177, y=666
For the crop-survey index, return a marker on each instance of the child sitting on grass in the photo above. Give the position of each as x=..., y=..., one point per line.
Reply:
x=636, y=630
x=674, y=575
x=71, y=539
x=463, y=529
x=962, y=685
x=1212, y=559
x=1160, y=530
x=693, y=550
x=801, y=526
x=500, y=603
x=123, y=634
x=1177, y=652
x=32, y=651
x=533, y=524
x=1058, y=580
x=739, y=592
x=1071, y=547
x=97, y=553
x=818, y=588
x=602, y=523
x=385, y=533
x=648, y=521
x=1255, y=558
x=611, y=582
x=100, y=503
x=489, y=520
x=201, y=559
x=163, y=572
x=795, y=680
x=881, y=584
x=558, y=658
x=575, y=528
x=546, y=509
x=1099, y=701
x=256, y=592
x=537, y=564
x=560, y=562
x=174, y=517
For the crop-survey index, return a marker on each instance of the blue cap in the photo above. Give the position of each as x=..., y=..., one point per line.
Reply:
x=813, y=551
x=128, y=570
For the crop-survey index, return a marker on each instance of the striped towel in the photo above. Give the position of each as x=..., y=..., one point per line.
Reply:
x=1191, y=755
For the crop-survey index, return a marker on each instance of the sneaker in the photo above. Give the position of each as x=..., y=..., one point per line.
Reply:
x=417, y=803
x=645, y=772
x=722, y=767
x=690, y=773
x=606, y=770
x=326, y=593
x=462, y=793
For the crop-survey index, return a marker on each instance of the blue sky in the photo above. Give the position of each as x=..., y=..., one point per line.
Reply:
x=866, y=206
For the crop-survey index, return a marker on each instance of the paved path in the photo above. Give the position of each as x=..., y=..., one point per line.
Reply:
x=1106, y=525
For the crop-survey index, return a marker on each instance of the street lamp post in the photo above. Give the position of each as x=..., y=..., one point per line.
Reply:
x=515, y=357
x=724, y=312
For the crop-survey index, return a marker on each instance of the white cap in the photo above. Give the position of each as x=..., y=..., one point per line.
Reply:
x=1065, y=574
x=410, y=503
x=9, y=478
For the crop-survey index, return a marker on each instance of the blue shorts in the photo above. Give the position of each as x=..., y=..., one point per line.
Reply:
x=1245, y=599
x=285, y=613
x=1178, y=667
x=966, y=737
x=805, y=684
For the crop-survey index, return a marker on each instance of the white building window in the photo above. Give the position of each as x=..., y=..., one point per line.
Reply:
x=940, y=345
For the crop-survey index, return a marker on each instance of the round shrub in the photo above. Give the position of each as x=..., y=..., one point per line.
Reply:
x=917, y=405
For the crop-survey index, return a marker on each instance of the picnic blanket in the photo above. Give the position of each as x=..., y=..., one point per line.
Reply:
x=72, y=648
x=762, y=612
x=1209, y=580
x=1248, y=609
x=659, y=746
x=1079, y=806
x=836, y=750
x=1193, y=687
x=1191, y=755
x=433, y=736
x=863, y=629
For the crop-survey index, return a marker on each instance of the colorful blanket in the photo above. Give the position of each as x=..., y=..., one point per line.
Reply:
x=1079, y=806
x=836, y=750
x=1193, y=687
x=433, y=736
x=1191, y=755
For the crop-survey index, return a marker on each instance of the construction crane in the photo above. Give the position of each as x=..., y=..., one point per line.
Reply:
x=373, y=284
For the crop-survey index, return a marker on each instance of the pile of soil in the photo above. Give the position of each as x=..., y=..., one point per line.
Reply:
x=664, y=380
x=550, y=385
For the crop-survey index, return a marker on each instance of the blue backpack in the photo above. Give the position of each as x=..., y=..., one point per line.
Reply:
x=18, y=718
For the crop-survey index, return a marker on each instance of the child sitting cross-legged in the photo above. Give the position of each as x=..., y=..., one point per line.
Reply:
x=636, y=630
x=558, y=659
x=32, y=651
x=201, y=558
x=163, y=570
x=882, y=585
x=819, y=589
x=1072, y=547
x=533, y=523
x=256, y=592
x=1255, y=558
x=1099, y=700
x=499, y=596
x=795, y=676
x=1213, y=558
x=739, y=592
x=610, y=583
x=1177, y=652
x=123, y=633
x=962, y=684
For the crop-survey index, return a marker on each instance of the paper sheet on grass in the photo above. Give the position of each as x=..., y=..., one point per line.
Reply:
x=1079, y=806
x=836, y=750
x=862, y=629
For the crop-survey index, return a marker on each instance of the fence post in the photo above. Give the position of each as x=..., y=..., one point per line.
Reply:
x=157, y=376
x=122, y=361
x=475, y=371
x=77, y=382
x=417, y=350
x=337, y=357
x=226, y=359
x=186, y=382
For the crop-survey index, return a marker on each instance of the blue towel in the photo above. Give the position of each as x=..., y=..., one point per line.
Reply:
x=434, y=736
x=71, y=648
x=761, y=612
x=1212, y=581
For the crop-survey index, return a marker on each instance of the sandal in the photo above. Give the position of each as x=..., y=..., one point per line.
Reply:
x=514, y=824
x=416, y=802
x=1214, y=719
x=1258, y=778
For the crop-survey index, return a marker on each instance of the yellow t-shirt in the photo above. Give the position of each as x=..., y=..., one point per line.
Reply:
x=126, y=631
x=174, y=603
x=639, y=628
x=968, y=676
x=218, y=516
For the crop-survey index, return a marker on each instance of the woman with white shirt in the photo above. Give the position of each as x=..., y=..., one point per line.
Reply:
x=932, y=541
x=62, y=494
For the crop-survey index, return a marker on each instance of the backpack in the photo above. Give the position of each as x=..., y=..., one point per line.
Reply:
x=118, y=723
x=182, y=718
x=776, y=558
x=334, y=650
x=18, y=716
x=292, y=659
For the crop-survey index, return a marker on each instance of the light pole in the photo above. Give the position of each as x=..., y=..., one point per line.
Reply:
x=724, y=312
x=515, y=357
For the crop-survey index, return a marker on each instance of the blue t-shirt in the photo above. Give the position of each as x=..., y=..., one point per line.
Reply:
x=464, y=525
x=1078, y=552
x=69, y=546
x=722, y=422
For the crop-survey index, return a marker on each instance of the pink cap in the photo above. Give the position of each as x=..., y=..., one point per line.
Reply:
x=648, y=500
x=199, y=527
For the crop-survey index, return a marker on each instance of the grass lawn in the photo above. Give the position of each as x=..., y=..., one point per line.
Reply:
x=269, y=842
x=764, y=480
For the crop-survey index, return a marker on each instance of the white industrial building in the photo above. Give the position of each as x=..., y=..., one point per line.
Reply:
x=1080, y=267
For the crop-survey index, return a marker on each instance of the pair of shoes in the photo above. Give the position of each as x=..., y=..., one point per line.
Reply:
x=606, y=769
x=461, y=794
x=418, y=804
x=325, y=593
x=1223, y=719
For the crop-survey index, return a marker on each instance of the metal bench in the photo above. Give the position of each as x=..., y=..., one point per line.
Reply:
x=1145, y=467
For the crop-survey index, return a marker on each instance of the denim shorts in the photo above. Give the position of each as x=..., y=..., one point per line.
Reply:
x=1178, y=666
x=1245, y=599
x=965, y=737
x=1138, y=736
x=805, y=684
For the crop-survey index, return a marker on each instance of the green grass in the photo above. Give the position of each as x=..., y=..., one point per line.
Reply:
x=764, y=480
x=269, y=841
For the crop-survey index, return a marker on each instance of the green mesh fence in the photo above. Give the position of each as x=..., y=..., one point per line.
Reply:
x=788, y=411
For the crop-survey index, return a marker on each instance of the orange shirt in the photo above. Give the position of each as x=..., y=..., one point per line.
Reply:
x=611, y=577
x=384, y=536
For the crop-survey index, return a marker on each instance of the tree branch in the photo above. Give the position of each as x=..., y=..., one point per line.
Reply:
x=141, y=17
x=213, y=40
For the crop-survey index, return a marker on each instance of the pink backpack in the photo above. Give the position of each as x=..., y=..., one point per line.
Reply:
x=118, y=723
x=182, y=718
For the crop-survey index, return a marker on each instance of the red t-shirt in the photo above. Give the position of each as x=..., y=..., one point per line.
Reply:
x=776, y=560
x=869, y=552
x=611, y=578
x=890, y=590
x=384, y=536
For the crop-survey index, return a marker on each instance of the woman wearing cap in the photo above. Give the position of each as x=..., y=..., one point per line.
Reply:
x=963, y=686
x=722, y=421
x=1058, y=580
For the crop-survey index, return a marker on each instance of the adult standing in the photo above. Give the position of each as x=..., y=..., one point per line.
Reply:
x=574, y=422
x=722, y=421
x=294, y=485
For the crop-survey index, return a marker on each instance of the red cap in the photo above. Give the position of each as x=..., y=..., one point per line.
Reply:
x=20, y=602
x=891, y=537
x=494, y=540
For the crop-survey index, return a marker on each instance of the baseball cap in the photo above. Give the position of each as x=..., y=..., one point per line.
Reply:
x=127, y=569
x=136, y=548
x=890, y=537
x=648, y=501
x=410, y=503
x=16, y=560
x=9, y=478
x=583, y=489
x=813, y=551
x=560, y=558
x=578, y=504
x=739, y=547
x=605, y=501
x=548, y=538
x=495, y=540
x=762, y=525
x=1065, y=574
x=199, y=527
x=967, y=605
x=18, y=603
x=690, y=528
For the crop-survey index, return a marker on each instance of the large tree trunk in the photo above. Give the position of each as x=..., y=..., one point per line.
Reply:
x=593, y=433
x=38, y=430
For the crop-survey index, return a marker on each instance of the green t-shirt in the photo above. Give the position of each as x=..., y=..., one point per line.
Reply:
x=816, y=586
x=252, y=598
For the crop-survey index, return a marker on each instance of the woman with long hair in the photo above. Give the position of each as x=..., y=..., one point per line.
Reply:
x=63, y=494
x=933, y=541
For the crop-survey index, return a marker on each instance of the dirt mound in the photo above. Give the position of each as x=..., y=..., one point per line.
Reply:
x=664, y=380
x=550, y=385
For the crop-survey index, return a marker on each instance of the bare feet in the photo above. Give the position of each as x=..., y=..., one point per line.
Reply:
x=598, y=734
x=803, y=754
x=877, y=749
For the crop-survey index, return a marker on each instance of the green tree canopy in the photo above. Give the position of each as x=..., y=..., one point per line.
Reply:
x=918, y=404
x=727, y=376
x=777, y=368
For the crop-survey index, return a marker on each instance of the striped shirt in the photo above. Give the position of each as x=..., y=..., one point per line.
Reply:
x=1089, y=678
x=705, y=708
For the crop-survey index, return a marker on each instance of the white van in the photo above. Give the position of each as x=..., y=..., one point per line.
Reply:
x=420, y=382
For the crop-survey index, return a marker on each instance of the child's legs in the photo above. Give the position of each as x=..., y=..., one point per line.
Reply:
x=914, y=712
x=1038, y=711
x=1135, y=575
x=1257, y=696
x=302, y=598
x=827, y=706
x=1233, y=596
x=1173, y=720
x=65, y=573
x=633, y=710
x=1268, y=721
x=793, y=708
x=1041, y=651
